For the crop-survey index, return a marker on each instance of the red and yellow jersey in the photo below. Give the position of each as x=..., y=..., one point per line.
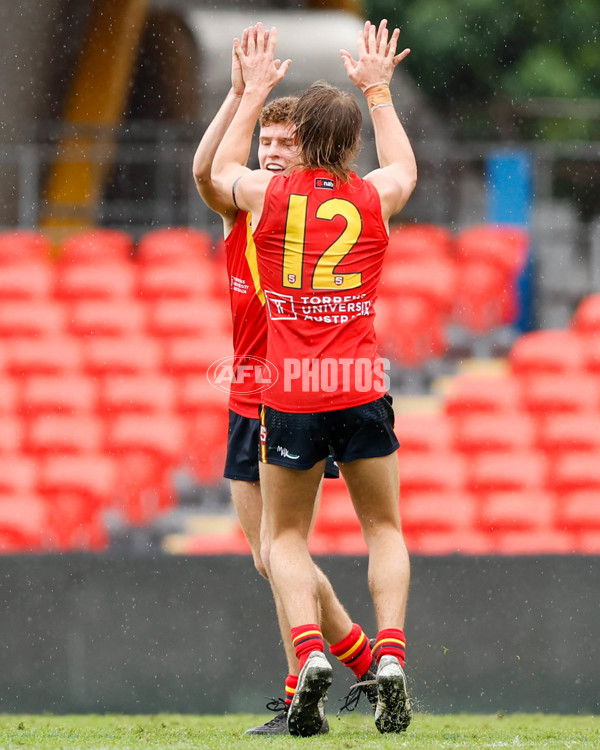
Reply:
x=320, y=246
x=248, y=314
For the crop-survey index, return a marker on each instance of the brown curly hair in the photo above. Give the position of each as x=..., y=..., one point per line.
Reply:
x=279, y=111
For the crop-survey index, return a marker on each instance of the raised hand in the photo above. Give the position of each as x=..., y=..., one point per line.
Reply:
x=237, y=79
x=377, y=58
x=259, y=68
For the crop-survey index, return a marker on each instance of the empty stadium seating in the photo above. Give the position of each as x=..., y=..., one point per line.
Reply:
x=103, y=395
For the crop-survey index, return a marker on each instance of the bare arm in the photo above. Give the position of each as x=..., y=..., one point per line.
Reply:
x=397, y=176
x=261, y=74
x=205, y=153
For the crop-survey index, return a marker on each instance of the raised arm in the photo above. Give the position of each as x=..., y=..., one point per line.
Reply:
x=205, y=153
x=261, y=73
x=372, y=72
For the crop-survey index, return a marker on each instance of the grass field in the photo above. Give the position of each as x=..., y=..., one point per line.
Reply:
x=186, y=732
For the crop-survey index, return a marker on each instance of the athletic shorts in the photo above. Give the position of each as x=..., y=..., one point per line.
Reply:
x=299, y=441
x=243, y=450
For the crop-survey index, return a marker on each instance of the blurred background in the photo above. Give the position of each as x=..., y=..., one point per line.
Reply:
x=114, y=303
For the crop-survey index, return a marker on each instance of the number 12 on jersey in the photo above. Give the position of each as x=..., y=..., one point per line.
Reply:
x=324, y=276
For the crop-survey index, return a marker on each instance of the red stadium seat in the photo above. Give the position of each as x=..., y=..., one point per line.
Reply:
x=579, y=511
x=434, y=279
x=426, y=512
x=419, y=241
x=23, y=246
x=188, y=355
x=539, y=542
x=424, y=432
x=26, y=280
x=548, y=351
x=122, y=317
x=503, y=245
x=591, y=354
x=206, y=446
x=489, y=260
x=38, y=318
x=17, y=474
x=77, y=489
x=91, y=476
x=10, y=394
x=45, y=355
x=195, y=395
x=145, y=488
x=11, y=434
x=586, y=319
x=64, y=433
x=588, y=543
x=97, y=246
x=410, y=330
x=576, y=471
x=467, y=541
x=504, y=431
x=518, y=510
x=111, y=280
x=23, y=524
x=126, y=354
x=143, y=393
x=553, y=393
x=431, y=471
x=67, y=393
x=515, y=470
x=159, y=435
x=560, y=433
x=174, y=244
x=182, y=280
x=469, y=394
x=187, y=317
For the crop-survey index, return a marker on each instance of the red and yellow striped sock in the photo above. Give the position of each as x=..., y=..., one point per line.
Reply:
x=354, y=651
x=307, y=638
x=390, y=641
x=291, y=683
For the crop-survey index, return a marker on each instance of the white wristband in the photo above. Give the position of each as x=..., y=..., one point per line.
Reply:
x=377, y=83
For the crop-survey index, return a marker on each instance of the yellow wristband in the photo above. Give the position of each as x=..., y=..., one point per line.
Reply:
x=378, y=95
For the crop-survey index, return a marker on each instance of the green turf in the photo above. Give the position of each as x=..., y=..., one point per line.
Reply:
x=183, y=732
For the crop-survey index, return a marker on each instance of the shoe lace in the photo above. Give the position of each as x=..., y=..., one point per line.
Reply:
x=350, y=701
x=277, y=704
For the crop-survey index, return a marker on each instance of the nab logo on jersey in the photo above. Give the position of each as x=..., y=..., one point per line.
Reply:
x=324, y=183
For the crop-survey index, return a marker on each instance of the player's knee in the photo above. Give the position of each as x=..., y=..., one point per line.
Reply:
x=265, y=551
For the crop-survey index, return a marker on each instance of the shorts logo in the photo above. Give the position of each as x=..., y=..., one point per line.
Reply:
x=242, y=374
x=284, y=452
x=324, y=183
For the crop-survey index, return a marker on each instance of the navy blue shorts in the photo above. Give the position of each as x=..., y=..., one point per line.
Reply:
x=243, y=450
x=299, y=441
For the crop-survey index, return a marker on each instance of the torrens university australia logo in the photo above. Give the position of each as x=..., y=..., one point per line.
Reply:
x=242, y=374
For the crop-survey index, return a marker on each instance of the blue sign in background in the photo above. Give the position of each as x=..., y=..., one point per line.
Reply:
x=509, y=194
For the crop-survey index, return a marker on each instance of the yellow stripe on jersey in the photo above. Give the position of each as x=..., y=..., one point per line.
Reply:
x=252, y=261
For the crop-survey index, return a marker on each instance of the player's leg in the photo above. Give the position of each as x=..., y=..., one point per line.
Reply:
x=241, y=468
x=247, y=502
x=374, y=488
x=289, y=499
x=346, y=639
